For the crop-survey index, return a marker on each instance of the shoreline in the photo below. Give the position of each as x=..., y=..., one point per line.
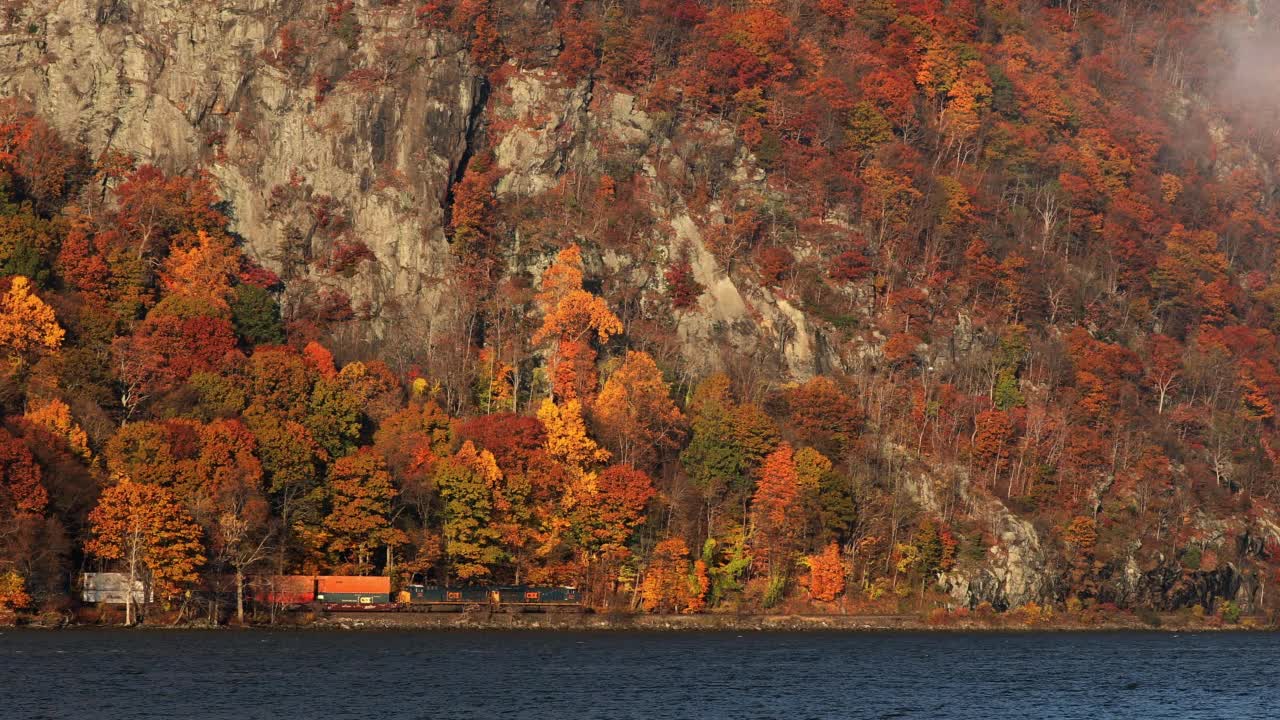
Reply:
x=750, y=623
x=703, y=623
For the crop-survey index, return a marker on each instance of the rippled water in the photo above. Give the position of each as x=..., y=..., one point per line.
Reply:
x=575, y=676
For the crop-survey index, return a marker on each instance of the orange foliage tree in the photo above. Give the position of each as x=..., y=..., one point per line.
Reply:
x=992, y=441
x=826, y=574
x=225, y=491
x=13, y=595
x=54, y=416
x=670, y=584
x=42, y=162
x=571, y=318
x=472, y=222
x=634, y=412
x=145, y=528
x=606, y=517
x=823, y=415
x=777, y=500
x=359, y=519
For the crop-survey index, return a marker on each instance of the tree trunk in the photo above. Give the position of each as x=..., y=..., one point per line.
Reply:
x=128, y=594
x=240, y=596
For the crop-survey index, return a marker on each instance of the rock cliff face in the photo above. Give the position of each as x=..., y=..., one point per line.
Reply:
x=319, y=141
x=312, y=143
x=543, y=130
x=1013, y=572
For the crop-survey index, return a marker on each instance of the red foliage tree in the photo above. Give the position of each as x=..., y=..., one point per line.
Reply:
x=682, y=288
x=21, y=490
x=823, y=415
x=607, y=517
x=167, y=349
x=513, y=439
x=774, y=509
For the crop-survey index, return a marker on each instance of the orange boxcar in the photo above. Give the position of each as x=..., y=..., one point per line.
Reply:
x=344, y=584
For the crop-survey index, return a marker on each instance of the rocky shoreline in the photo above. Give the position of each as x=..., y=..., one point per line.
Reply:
x=708, y=622
x=752, y=623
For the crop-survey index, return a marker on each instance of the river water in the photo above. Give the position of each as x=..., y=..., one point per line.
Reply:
x=91, y=674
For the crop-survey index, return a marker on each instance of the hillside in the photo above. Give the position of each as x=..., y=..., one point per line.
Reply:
x=870, y=306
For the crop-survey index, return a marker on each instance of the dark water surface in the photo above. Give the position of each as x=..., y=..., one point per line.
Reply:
x=575, y=676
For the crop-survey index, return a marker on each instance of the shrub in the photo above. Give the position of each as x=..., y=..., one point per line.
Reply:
x=256, y=315
x=346, y=256
x=322, y=86
x=1149, y=616
x=775, y=264
x=682, y=288
x=1191, y=558
x=1230, y=612
x=849, y=266
x=877, y=589
x=775, y=591
x=1031, y=613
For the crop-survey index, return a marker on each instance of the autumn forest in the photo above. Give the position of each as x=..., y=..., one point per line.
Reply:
x=1031, y=244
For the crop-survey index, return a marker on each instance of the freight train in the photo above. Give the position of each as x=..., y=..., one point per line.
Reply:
x=342, y=593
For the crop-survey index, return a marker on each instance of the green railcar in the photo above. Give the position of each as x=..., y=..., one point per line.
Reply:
x=428, y=597
x=433, y=595
x=532, y=595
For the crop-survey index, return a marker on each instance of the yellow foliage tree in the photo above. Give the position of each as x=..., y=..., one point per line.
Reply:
x=567, y=439
x=569, y=443
x=55, y=416
x=481, y=462
x=467, y=483
x=811, y=467
x=13, y=595
x=26, y=322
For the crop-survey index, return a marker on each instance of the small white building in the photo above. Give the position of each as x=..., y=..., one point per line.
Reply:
x=110, y=588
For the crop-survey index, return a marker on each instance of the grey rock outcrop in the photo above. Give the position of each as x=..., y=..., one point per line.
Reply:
x=263, y=94
x=1015, y=570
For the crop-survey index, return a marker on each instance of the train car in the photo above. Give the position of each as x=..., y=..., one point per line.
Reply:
x=433, y=595
x=283, y=590
x=526, y=597
x=353, y=589
x=373, y=594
